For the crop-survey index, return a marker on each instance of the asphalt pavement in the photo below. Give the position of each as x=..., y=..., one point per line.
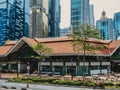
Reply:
x=23, y=86
x=4, y=85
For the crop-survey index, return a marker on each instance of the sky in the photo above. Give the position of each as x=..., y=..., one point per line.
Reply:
x=110, y=6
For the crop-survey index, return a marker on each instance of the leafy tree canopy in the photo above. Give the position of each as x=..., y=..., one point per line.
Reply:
x=42, y=49
x=82, y=38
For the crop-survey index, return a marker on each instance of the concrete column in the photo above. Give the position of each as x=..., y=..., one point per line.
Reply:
x=89, y=68
x=18, y=66
x=51, y=66
x=100, y=66
x=39, y=67
x=64, y=68
x=77, y=68
x=53, y=69
x=9, y=66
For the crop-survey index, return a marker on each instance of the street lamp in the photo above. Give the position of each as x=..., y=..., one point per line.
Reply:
x=28, y=68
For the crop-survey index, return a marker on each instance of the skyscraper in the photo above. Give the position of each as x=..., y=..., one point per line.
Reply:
x=92, y=20
x=27, y=18
x=80, y=13
x=65, y=32
x=39, y=18
x=105, y=26
x=13, y=21
x=117, y=25
x=54, y=18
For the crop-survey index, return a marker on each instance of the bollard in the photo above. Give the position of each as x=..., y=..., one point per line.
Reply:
x=27, y=86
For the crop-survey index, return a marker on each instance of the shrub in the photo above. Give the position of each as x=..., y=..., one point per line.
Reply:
x=77, y=83
x=89, y=83
x=36, y=80
x=17, y=80
x=43, y=80
x=108, y=84
x=25, y=79
x=67, y=82
x=117, y=84
x=61, y=82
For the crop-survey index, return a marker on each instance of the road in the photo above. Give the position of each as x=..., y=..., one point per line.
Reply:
x=18, y=86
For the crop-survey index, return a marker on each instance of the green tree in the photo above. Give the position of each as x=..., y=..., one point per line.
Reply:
x=42, y=50
x=82, y=41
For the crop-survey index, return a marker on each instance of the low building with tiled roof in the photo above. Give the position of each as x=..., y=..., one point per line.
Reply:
x=63, y=59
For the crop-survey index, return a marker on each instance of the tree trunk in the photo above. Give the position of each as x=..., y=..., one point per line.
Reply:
x=84, y=64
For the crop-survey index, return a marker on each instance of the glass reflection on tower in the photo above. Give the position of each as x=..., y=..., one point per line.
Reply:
x=14, y=19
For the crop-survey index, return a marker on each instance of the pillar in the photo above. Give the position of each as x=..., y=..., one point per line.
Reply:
x=53, y=69
x=77, y=68
x=9, y=66
x=18, y=66
x=64, y=68
x=100, y=66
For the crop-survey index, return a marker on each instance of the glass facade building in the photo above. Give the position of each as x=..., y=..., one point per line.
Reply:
x=92, y=20
x=65, y=31
x=14, y=19
x=27, y=18
x=54, y=18
x=105, y=27
x=117, y=25
x=39, y=18
x=80, y=12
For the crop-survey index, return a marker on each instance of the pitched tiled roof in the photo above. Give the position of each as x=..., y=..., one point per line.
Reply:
x=113, y=46
x=65, y=47
x=10, y=42
x=62, y=46
x=52, y=39
x=30, y=41
x=4, y=49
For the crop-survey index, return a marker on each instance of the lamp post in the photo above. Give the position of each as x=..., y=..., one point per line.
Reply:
x=28, y=69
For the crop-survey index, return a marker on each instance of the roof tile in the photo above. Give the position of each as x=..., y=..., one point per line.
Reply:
x=63, y=45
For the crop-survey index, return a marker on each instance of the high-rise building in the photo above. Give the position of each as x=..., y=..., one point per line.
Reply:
x=92, y=20
x=105, y=26
x=27, y=18
x=65, y=32
x=80, y=12
x=39, y=18
x=54, y=18
x=117, y=25
x=13, y=20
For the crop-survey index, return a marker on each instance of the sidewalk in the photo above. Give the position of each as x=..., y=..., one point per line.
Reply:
x=10, y=75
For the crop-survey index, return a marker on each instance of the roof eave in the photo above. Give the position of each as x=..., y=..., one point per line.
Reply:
x=75, y=54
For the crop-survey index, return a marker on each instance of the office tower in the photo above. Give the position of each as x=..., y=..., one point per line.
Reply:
x=105, y=26
x=92, y=20
x=39, y=18
x=27, y=18
x=13, y=20
x=64, y=32
x=54, y=18
x=79, y=13
x=117, y=25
